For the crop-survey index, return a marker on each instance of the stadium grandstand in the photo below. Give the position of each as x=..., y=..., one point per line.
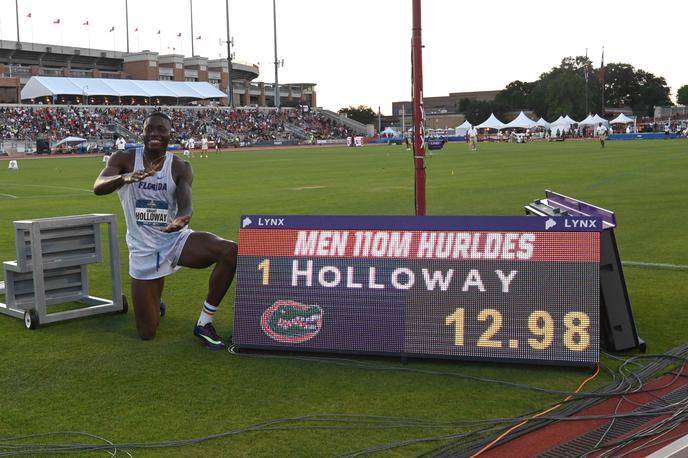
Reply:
x=20, y=61
x=50, y=92
x=24, y=127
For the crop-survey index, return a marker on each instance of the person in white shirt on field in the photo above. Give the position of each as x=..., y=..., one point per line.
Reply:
x=601, y=133
x=204, y=146
x=473, y=138
x=190, y=145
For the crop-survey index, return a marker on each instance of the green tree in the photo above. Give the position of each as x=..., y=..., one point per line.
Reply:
x=362, y=114
x=621, y=85
x=477, y=111
x=653, y=92
x=515, y=95
x=682, y=95
x=641, y=90
x=562, y=90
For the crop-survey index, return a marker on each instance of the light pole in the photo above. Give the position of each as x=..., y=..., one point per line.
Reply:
x=277, y=63
x=126, y=18
x=16, y=10
x=230, y=88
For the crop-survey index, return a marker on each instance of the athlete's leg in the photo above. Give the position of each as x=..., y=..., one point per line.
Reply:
x=146, y=296
x=203, y=249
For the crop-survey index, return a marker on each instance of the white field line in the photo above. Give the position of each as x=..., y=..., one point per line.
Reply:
x=8, y=195
x=46, y=186
x=655, y=265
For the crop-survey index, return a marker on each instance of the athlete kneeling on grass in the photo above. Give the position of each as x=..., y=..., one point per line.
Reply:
x=154, y=187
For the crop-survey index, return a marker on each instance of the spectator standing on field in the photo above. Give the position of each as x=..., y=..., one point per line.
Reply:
x=602, y=133
x=204, y=146
x=473, y=138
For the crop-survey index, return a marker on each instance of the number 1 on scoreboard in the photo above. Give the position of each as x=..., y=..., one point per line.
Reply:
x=265, y=267
x=457, y=318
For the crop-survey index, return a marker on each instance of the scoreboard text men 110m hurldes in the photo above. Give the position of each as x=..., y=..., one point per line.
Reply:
x=519, y=288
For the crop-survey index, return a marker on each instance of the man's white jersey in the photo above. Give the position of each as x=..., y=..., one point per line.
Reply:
x=149, y=205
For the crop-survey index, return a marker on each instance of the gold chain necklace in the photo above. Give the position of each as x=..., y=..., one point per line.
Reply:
x=152, y=165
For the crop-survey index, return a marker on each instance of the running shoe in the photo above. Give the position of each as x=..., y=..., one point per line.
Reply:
x=209, y=336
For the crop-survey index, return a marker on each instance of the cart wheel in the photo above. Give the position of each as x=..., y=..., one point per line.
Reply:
x=163, y=308
x=30, y=319
x=125, y=304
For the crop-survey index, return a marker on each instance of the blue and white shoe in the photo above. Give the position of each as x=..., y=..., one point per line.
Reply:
x=209, y=336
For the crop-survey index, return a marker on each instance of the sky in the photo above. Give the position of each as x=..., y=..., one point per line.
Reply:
x=357, y=52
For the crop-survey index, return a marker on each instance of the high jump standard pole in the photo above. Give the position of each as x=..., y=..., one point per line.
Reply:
x=418, y=110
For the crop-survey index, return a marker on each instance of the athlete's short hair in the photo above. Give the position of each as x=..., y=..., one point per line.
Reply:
x=158, y=114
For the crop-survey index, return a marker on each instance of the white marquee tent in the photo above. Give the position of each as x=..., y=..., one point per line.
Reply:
x=589, y=121
x=521, y=121
x=390, y=132
x=599, y=119
x=569, y=120
x=491, y=123
x=542, y=123
x=462, y=129
x=622, y=119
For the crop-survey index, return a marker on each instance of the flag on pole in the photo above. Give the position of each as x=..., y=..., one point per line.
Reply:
x=158, y=33
x=179, y=35
x=136, y=29
x=28, y=15
x=112, y=29
x=198, y=37
x=586, y=72
x=85, y=23
x=56, y=21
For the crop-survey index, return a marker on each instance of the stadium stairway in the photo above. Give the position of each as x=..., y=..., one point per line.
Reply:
x=295, y=130
x=356, y=126
x=118, y=129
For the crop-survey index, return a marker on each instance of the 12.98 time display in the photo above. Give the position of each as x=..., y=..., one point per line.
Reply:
x=493, y=288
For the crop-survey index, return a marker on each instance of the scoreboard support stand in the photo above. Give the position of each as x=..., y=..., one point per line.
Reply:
x=618, y=330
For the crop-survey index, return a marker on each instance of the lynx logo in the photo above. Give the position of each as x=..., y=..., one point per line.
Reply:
x=246, y=222
x=271, y=221
x=291, y=322
x=549, y=224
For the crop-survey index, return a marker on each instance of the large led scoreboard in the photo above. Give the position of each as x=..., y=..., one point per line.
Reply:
x=512, y=288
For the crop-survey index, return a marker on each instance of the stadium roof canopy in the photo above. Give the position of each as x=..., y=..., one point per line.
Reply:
x=47, y=86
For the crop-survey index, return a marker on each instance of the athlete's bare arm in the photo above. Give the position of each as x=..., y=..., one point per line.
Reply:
x=118, y=172
x=183, y=177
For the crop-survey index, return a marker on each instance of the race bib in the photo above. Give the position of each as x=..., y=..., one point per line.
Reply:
x=151, y=213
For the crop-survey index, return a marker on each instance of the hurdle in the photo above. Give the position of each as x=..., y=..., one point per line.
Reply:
x=51, y=269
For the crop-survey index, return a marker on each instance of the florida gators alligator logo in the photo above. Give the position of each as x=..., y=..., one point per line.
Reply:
x=291, y=322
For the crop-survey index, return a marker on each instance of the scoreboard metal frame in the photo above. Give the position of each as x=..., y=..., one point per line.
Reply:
x=497, y=288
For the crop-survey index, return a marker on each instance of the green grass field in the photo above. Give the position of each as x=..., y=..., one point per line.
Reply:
x=94, y=375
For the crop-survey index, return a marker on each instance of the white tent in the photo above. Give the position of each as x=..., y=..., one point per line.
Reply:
x=521, y=121
x=569, y=120
x=462, y=129
x=542, y=123
x=599, y=119
x=621, y=119
x=390, y=132
x=559, y=120
x=491, y=123
x=589, y=121
x=70, y=141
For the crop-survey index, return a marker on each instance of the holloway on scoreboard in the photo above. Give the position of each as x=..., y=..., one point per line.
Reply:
x=513, y=288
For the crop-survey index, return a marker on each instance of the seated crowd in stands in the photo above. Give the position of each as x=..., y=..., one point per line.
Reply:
x=250, y=126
